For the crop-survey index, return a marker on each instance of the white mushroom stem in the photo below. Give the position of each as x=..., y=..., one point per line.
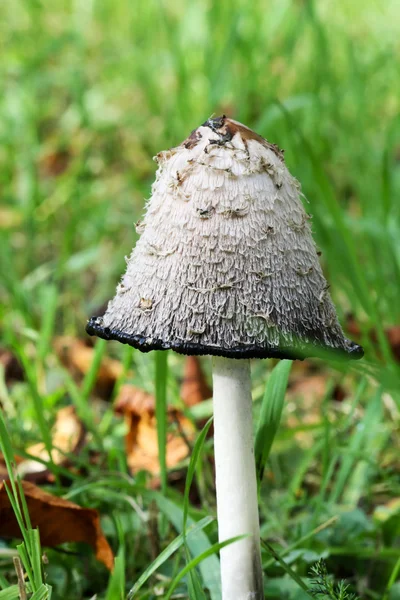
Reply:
x=236, y=484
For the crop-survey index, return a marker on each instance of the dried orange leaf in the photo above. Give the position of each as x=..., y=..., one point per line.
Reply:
x=138, y=408
x=77, y=356
x=68, y=436
x=59, y=521
x=134, y=400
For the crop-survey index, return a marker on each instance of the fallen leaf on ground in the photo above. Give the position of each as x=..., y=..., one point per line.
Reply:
x=138, y=408
x=60, y=521
x=68, y=437
x=77, y=356
x=194, y=388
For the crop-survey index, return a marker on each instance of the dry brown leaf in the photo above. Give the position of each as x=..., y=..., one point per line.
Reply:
x=143, y=453
x=59, y=521
x=68, y=436
x=138, y=408
x=194, y=388
x=77, y=356
x=132, y=399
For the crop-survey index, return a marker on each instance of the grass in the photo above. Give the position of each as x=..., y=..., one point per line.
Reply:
x=89, y=92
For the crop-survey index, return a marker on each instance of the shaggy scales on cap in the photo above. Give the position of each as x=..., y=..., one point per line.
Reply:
x=226, y=264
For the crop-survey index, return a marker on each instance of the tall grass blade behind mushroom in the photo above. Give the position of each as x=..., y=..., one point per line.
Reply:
x=270, y=414
x=292, y=574
x=215, y=548
x=166, y=553
x=194, y=589
x=33, y=376
x=161, y=376
x=199, y=544
x=196, y=453
x=365, y=444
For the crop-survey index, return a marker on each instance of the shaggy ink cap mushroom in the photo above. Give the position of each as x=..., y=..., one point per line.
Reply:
x=226, y=264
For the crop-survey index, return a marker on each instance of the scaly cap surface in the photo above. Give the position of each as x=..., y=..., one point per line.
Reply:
x=226, y=264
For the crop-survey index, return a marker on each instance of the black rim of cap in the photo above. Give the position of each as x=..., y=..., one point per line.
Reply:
x=192, y=348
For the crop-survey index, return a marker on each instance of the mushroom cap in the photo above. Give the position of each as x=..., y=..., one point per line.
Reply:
x=226, y=264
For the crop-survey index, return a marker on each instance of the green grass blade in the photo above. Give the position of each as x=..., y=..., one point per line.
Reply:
x=90, y=377
x=195, y=561
x=195, y=591
x=270, y=414
x=161, y=369
x=24, y=505
x=197, y=544
x=11, y=593
x=24, y=555
x=43, y=593
x=167, y=552
x=15, y=504
x=392, y=579
x=3, y=582
x=292, y=574
x=301, y=540
x=8, y=455
x=116, y=584
x=37, y=402
x=194, y=588
x=350, y=458
x=192, y=469
x=49, y=304
x=36, y=557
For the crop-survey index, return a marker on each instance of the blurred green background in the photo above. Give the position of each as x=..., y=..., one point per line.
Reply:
x=90, y=90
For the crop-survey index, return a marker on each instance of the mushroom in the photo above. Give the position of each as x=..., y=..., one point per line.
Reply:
x=226, y=266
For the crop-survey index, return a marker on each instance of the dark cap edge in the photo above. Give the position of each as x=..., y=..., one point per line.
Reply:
x=192, y=348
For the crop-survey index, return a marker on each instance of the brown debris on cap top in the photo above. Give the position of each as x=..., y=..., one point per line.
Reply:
x=228, y=128
x=226, y=260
